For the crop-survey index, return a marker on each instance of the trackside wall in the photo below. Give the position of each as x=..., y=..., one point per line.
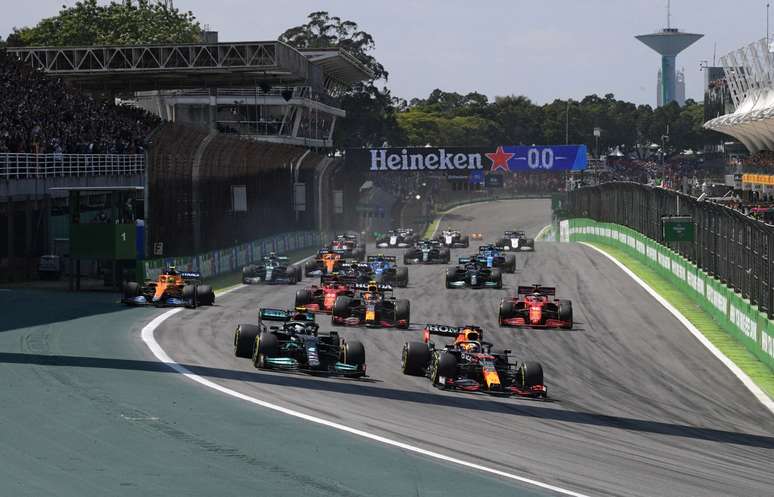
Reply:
x=736, y=315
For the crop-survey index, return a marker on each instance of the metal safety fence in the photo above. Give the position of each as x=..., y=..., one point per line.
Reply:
x=32, y=166
x=730, y=246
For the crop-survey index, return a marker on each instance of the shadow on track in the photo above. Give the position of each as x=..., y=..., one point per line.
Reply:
x=461, y=401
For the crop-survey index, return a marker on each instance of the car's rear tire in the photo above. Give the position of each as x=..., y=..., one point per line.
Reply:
x=465, y=241
x=309, y=267
x=507, y=311
x=451, y=276
x=497, y=276
x=530, y=374
x=131, y=290
x=403, y=313
x=205, y=295
x=565, y=313
x=401, y=277
x=415, y=358
x=189, y=295
x=445, y=255
x=266, y=345
x=445, y=366
x=353, y=353
x=510, y=264
x=244, y=340
x=303, y=297
x=341, y=306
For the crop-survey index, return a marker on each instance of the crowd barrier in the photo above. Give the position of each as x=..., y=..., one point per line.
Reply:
x=232, y=259
x=738, y=316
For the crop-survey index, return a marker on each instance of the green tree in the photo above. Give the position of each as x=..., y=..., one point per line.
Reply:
x=118, y=23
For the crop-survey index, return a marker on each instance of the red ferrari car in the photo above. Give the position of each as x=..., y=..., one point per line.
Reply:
x=320, y=298
x=533, y=306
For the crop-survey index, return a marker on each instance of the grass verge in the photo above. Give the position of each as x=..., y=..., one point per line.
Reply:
x=228, y=280
x=760, y=373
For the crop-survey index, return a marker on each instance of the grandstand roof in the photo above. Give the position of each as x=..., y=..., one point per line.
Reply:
x=338, y=64
x=181, y=66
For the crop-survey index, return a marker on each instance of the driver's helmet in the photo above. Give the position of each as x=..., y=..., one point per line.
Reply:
x=471, y=347
x=373, y=287
x=296, y=328
x=172, y=270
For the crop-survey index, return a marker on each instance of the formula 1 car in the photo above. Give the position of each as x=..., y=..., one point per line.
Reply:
x=473, y=274
x=297, y=345
x=348, y=246
x=516, y=240
x=326, y=262
x=383, y=269
x=427, y=252
x=453, y=239
x=374, y=306
x=171, y=289
x=397, y=238
x=273, y=269
x=491, y=256
x=320, y=298
x=469, y=364
x=532, y=307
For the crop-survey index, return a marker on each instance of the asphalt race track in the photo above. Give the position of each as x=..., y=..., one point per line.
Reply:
x=637, y=406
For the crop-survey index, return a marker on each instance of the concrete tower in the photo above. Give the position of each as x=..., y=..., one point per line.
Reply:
x=668, y=42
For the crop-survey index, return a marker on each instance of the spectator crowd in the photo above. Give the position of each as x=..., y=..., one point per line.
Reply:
x=39, y=114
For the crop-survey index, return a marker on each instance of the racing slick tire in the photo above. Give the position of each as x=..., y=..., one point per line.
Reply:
x=445, y=255
x=401, y=277
x=445, y=365
x=465, y=241
x=189, y=294
x=497, y=276
x=451, y=275
x=507, y=311
x=303, y=297
x=530, y=374
x=292, y=275
x=353, y=353
x=407, y=258
x=205, y=295
x=415, y=358
x=131, y=289
x=503, y=244
x=510, y=264
x=565, y=313
x=309, y=267
x=402, y=313
x=247, y=271
x=244, y=340
x=266, y=345
x=341, y=306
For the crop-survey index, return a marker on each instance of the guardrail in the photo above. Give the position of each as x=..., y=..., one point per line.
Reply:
x=234, y=258
x=32, y=166
x=738, y=316
x=735, y=248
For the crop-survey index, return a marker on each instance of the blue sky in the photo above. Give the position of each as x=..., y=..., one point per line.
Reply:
x=543, y=49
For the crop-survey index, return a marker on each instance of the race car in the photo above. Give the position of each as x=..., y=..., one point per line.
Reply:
x=383, y=269
x=320, y=298
x=473, y=274
x=326, y=262
x=172, y=288
x=533, y=307
x=397, y=238
x=273, y=269
x=453, y=239
x=516, y=240
x=469, y=364
x=427, y=252
x=348, y=246
x=491, y=256
x=373, y=306
x=297, y=345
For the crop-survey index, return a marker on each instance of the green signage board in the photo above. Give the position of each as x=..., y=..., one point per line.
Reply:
x=103, y=241
x=677, y=229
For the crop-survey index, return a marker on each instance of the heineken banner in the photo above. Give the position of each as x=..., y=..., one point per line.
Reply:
x=457, y=160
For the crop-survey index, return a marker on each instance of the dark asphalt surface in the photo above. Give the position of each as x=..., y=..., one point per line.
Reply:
x=638, y=406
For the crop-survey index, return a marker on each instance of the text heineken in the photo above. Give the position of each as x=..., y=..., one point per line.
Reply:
x=433, y=160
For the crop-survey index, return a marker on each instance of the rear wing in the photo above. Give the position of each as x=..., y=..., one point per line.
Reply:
x=483, y=248
x=337, y=278
x=300, y=314
x=510, y=234
x=448, y=331
x=380, y=287
x=545, y=290
x=386, y=258
x=190, y=275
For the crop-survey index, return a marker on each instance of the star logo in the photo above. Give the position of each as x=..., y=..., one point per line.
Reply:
x=499, y=160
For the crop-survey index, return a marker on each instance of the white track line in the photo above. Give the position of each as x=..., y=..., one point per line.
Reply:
x=540, y=233
x=148, y=337
x=751, y=386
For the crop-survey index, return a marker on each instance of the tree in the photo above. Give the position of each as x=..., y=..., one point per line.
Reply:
x=118, y=23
